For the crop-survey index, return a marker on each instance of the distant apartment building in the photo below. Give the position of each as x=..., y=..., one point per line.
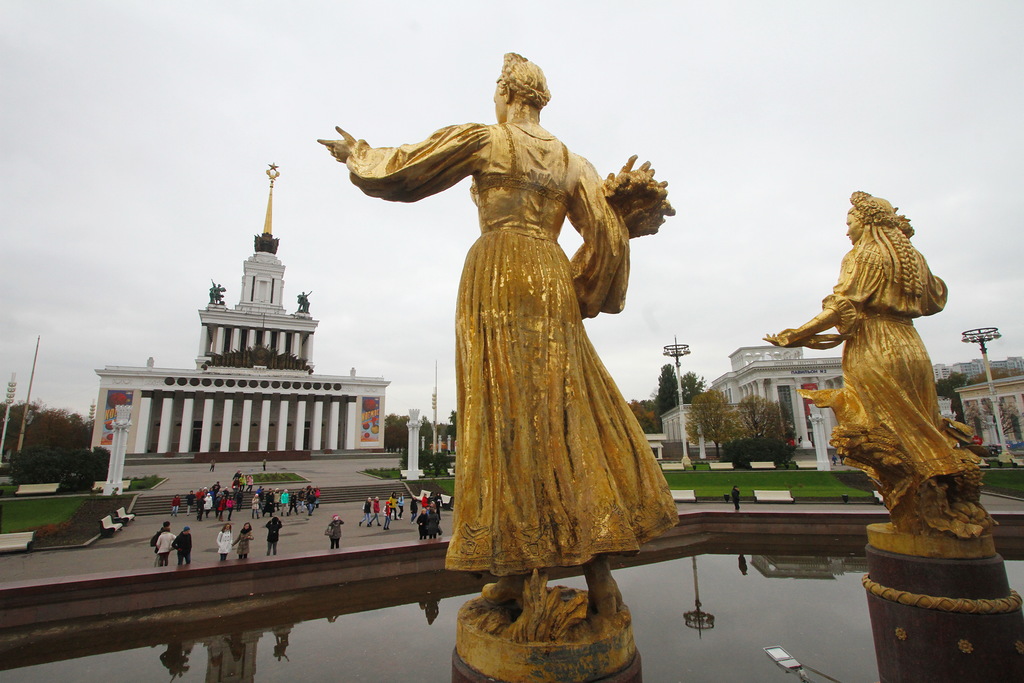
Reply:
x=977, y=367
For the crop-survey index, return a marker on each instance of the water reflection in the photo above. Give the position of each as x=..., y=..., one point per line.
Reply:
x=697, y=618
x=175, y=659
x=796, y=567
x=375, y=631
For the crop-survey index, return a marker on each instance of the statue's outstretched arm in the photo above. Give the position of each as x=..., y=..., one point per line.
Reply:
x=340, y=149
x=803, y=335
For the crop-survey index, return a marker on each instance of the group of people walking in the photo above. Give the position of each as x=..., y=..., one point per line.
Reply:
x=165, y=541
x=428, y=518
x=221, y=501
x=425, y=512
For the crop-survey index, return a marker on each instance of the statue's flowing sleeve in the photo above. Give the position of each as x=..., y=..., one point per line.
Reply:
x=600, y=267
x=411, y=172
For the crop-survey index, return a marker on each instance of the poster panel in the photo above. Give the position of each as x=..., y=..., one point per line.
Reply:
x=115, y=398
x=369, y=423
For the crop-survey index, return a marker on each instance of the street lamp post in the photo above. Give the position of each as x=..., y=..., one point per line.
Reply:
x=980, y=336
x=677, y=351
x=11, y=388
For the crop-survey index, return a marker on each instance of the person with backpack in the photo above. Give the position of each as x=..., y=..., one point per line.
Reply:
x=183, y=544
x=273, y=534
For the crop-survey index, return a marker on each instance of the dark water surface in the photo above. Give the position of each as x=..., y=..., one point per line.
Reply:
x=813, y=606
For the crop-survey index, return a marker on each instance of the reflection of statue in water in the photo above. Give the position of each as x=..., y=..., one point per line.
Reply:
x=304, y=302
x=889, y=422
x=541, y=423
x=281, y=641
x=175, y=659
x=431, y=608
x=217, y=293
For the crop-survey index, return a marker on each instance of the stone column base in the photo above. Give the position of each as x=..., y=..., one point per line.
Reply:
x=943, y=619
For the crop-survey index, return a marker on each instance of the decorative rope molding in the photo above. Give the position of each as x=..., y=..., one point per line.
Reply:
x=1012, y=603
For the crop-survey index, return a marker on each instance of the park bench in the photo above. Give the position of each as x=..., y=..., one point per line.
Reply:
x=1017, y=462
x=684, y=496
x=720, y=465
x=123, y=515
x=110, y=527
x=446, y=501
x=406, y=473
x=672, y=466
x=36, y=489
x=428, y=494
x=773, y=496
x=13, y=543
x=125, y=485
x=878, y=498
x=451, y=471
x=760, y=465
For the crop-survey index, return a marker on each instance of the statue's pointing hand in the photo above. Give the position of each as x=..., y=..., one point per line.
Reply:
x=340, y=149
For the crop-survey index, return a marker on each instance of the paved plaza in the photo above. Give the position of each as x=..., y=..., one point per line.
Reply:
x=129, y=548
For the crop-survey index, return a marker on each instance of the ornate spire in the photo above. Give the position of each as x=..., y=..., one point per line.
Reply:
x=266, y=242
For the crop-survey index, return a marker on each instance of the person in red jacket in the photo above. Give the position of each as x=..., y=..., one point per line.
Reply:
x=175, y=504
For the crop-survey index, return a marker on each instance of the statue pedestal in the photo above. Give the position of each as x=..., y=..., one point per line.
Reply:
x=602, y=653
x=943, y=619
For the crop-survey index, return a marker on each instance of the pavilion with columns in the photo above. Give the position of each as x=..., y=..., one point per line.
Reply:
x=253, y=389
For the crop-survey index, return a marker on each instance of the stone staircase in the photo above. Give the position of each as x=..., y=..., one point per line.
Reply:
x=159, y=502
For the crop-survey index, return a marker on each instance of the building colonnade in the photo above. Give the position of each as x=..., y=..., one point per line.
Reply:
x=186, y=421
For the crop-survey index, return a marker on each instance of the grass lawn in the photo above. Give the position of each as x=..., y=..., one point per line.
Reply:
x=1006, y=478
x=275, y=477
x=802, y=484
x=385, y=472
x=24, y=515
x=144, y=483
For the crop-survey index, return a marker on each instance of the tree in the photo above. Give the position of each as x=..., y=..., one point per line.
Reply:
x=692, y=385
x=760, y=418
x=947, y=388
x=49, y=427
x=396, y=432
x=667, y=395
x=711, y=414
x=644, y=412
x=74, y=469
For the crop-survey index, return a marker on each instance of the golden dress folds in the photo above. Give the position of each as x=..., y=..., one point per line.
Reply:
x=887, y=373
x=552, y=466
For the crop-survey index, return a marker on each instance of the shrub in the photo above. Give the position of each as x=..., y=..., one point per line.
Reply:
x=741, y=452
x=74, y=470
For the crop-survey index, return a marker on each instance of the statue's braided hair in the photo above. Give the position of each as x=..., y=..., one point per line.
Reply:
x=894, y=231
x=522, y=77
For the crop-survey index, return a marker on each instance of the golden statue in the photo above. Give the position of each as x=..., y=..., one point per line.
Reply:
x=553, y=469
x=889, y=422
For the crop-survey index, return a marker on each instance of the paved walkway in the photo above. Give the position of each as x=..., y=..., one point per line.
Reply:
x=129, y=549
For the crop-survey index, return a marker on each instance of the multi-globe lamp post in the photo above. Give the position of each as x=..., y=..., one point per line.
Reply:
x=677, y=351
x=12, y=386
x=981, y=336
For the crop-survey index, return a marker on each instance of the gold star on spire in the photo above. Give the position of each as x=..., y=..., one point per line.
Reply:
x=273, y=174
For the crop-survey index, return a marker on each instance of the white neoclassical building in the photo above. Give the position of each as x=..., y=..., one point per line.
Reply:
x=253, y=388
x=775, y=374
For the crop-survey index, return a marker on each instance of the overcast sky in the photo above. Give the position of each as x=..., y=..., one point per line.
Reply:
x=135, y=138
